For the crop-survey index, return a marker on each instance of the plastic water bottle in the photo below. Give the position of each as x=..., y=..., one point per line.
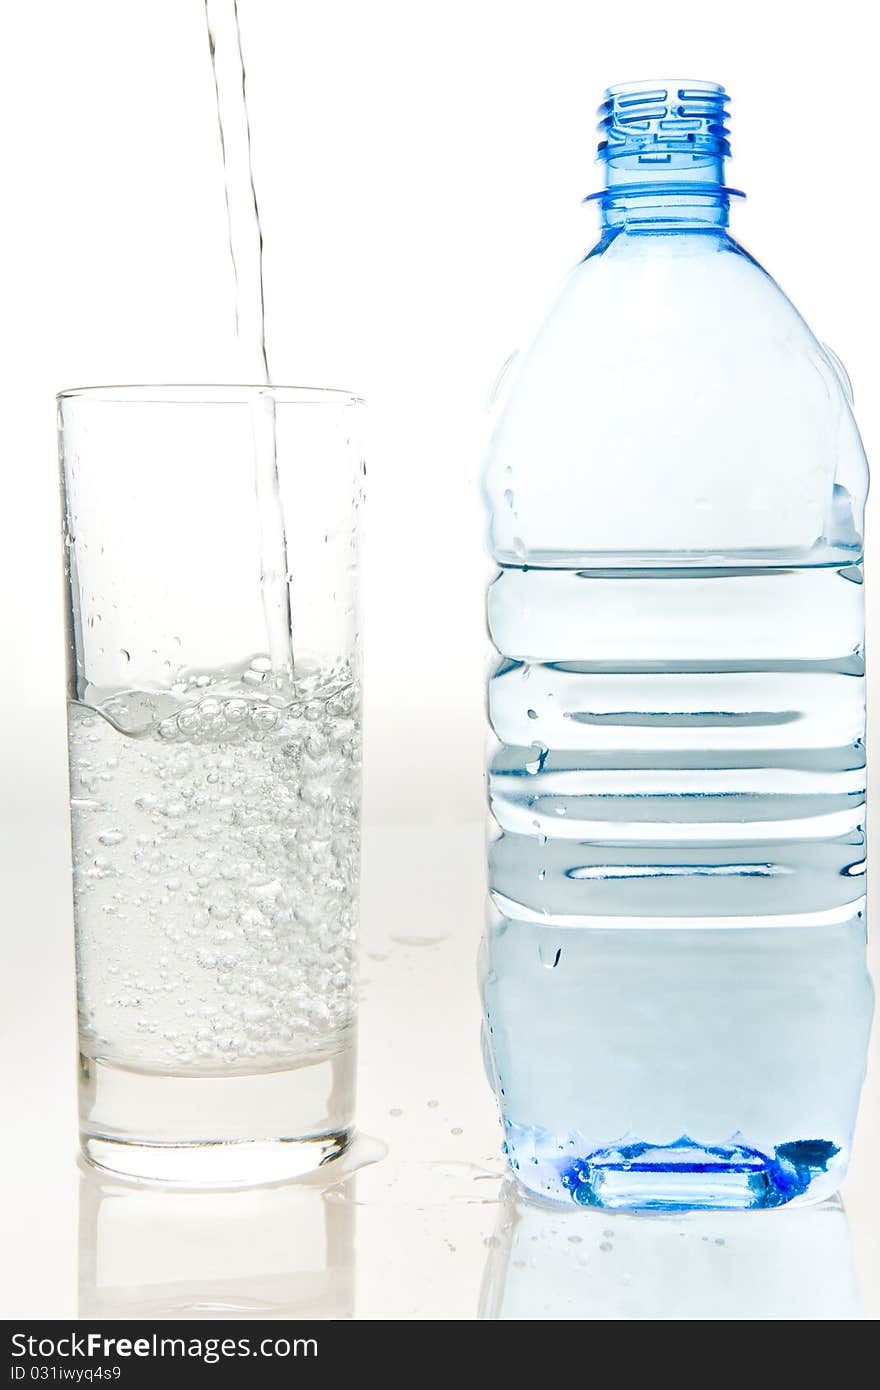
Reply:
x=677, y=1004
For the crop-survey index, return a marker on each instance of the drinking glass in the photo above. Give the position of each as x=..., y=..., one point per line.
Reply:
x=211, y=559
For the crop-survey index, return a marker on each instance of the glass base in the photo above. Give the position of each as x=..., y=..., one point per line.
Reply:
x=217, y=1131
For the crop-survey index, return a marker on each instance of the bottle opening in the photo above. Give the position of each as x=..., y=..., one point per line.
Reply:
x=650, y=130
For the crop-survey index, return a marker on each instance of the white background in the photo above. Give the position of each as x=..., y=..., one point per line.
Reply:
x=420, y=170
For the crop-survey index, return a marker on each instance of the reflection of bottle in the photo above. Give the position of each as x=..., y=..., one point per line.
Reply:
x=676, y=997
x=556, y=1265
x=270, y=1252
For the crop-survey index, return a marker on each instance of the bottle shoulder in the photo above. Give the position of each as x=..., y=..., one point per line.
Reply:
x=633, y=280
x=674, y=396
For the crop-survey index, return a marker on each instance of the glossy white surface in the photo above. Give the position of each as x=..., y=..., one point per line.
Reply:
x=430, y=1230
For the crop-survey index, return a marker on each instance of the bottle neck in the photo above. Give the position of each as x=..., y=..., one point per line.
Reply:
x=664, y=206
x=662, y=147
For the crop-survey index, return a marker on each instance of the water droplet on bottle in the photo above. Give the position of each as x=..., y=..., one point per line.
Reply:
x=536, y=763
x=532, y=714
x=124, y=655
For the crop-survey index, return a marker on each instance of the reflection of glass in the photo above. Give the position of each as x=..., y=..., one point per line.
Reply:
x=211, y=558
x=560, y=1264
x=270, y=1252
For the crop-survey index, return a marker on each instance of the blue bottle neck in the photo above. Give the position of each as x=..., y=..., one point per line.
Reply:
x=664, y=206
x=663, y=146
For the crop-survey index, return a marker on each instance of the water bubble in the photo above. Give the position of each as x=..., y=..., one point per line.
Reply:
x=188, y=722
x=264, y=718
x=111, y=837
x=125, y=656
x=532, y=714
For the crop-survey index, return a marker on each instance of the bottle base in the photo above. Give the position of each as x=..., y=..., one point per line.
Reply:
x=216, y=1131
x=681, y=1176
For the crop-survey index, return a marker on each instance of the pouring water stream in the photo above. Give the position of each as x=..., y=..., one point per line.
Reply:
x=246, y=250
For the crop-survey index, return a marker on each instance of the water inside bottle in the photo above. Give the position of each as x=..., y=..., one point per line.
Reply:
x=676, y=995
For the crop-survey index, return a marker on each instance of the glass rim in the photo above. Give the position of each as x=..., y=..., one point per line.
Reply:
x=220, y=393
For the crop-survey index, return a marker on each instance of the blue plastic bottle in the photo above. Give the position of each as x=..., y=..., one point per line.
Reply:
x=677, y=1004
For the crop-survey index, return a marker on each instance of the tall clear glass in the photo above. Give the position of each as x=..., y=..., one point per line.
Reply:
x=211, y=557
